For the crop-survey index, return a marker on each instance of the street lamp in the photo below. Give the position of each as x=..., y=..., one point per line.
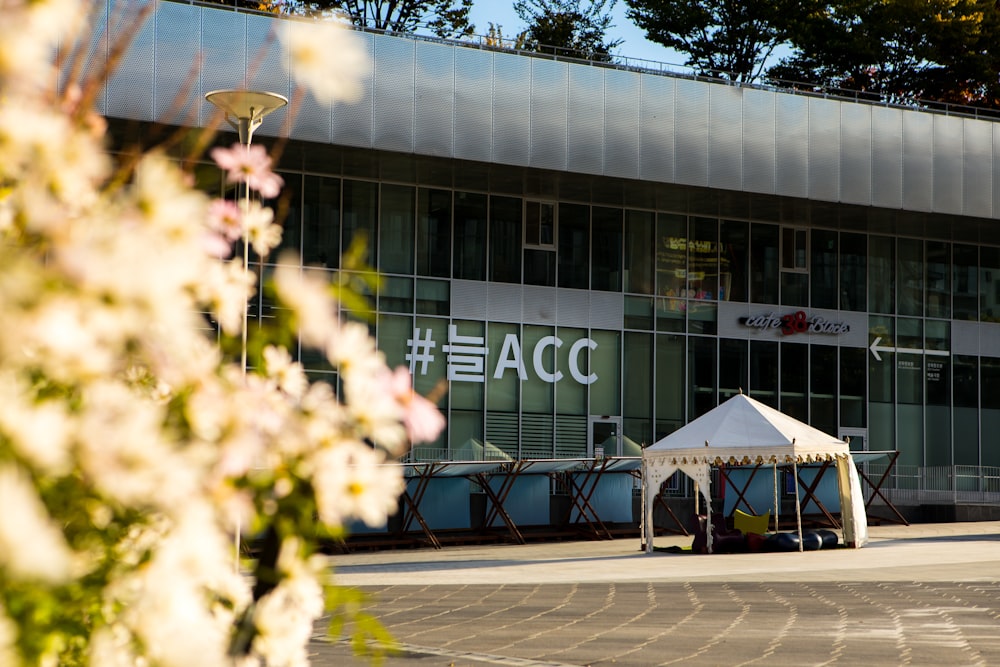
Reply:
x=245, y=111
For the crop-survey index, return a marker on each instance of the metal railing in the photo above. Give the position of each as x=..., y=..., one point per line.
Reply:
x=936, y=485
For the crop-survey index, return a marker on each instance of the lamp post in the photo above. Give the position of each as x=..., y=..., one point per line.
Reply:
x=245, y=111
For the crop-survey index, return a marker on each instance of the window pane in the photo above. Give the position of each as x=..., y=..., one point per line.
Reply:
x=853, y=386
x=434, y=233
x=470, y=236
x=670, y=383
x=604, y=362
x=989, y=284
x=639, y=312
x=395, y=295
x=571, y=396
x=639, y=248
x=965, y=282
x=703, y=259
x=733, y=368
x=321, y=222
x=539, y=267
x=793, y=380
x=853, y=272
x=910, y=269
x=764, y=263
x=638, y=369
x=938, y=279
x=360, y=208
x=538, y=394
x=966, y=382
x=823, y=281
x=433, y=297
x=573, y=246
x=396, y=229
x=606, y=250
x=823, y=388
x=881, y=275
x=468, y=395
x=671, y=255
x=909, y=367
x=764, y=372
x=504, y=343
x=733, y=260
x=701, y=375
x=794, y=289
x=505, y=239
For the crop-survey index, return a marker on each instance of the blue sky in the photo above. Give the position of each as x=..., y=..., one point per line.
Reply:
x=635, y=45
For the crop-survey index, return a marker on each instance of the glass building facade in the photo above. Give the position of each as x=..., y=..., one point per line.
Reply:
x=588, y=258
x=495, y=292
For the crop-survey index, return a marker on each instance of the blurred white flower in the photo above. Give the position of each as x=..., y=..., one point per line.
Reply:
x=353, y=481
x=38, y=431
x=261, y=231
x=287, y=374
x=32, y=546
x=307, y=294
x=327, y=58
x=284, y=617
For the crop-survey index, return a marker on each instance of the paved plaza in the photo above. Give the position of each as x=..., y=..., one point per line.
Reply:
x=915, y=595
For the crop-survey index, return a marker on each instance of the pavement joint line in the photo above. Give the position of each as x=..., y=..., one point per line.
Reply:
x=485, y=658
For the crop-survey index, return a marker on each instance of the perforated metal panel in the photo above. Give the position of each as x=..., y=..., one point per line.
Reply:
x=473, y=104
x=757, y=136
x=948, y=164
x=539, y=305
x=130, y=90
x=855, y=153
x=824, y=149
x=468, y=299
x=511, y=125
x=353, y=121
x=585, y=126
x=434, y=108
x=725, y=130
x=791, y=155
x=918, y=162
x=177, y=26
x=224, y=53
x=504, y=302
x=691, y=133
x=549, y=93
x=573, y=308
x=977, y=175
x=887, y=157
x=394, y=94
x=94, y=56
x=621, y=124
x=656, y=128
x=268, y=70
x=607, y=310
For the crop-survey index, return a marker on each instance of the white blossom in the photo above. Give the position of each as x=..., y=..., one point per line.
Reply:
x=31, y=544
x=327, y=58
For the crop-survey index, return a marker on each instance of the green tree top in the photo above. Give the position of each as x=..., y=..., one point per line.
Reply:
x=730, y=39
x=567, y=27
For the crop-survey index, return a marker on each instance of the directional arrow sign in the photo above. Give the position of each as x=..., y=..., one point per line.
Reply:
x=876, y=348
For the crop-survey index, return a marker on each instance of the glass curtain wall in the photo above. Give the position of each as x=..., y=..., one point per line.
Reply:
x=537, y=385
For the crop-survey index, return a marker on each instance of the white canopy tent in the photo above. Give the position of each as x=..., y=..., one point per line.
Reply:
x=743, y=431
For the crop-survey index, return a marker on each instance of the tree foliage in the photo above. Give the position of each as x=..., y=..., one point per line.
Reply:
x=895, y=50
x=567, y=27
x=444, y=18
x=729, y=39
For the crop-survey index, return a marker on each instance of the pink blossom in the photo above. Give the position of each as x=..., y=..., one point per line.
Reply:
x=423, y=421
x=250, y=165
x=224, y=218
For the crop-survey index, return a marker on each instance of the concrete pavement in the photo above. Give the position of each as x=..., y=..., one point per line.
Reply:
x=915, y=595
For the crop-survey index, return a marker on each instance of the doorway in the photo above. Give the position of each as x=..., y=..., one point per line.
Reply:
x=604, y=437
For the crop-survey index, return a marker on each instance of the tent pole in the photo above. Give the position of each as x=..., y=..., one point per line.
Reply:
x=798, y=504
x=774, y=469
